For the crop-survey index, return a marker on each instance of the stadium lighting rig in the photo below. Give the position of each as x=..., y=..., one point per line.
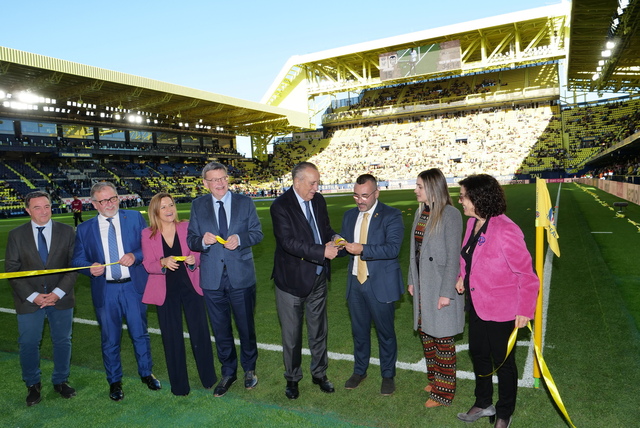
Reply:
x=624, y=23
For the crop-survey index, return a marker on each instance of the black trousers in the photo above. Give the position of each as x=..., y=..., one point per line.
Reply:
x=179, y=296
x=487, y=346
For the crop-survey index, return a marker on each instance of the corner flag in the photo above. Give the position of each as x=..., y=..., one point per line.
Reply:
x=544, y=215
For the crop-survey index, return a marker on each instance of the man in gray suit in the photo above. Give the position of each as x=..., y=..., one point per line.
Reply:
x=374, y=233
x=37, y=245
x=224, y=226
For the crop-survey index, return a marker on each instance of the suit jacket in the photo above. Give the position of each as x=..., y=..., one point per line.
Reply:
x=152, y=251
x=502, y=283
x=297, y=255
x=22, y=254
x=434, y=275
x=384, y=240
x=239, y=262
x=88, y=250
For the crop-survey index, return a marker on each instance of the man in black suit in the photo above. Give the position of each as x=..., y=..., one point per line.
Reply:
x=304, y=246
x=37, y=245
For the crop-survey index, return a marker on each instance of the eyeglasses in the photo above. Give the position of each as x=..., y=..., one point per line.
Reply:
x=363, y=197
x=217, y=180
x=104, y=202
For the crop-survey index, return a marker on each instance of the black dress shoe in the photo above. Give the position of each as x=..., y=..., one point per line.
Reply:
x=33, y=394
x=250, y=379
x=325, y=385
x=291, y=391
x=152, y=382
x=115, y=391
x=224, y=385
x=64, y=390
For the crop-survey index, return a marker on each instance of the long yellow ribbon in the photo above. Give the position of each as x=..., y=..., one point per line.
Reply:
x=21, y=274
x=546, y=374
x=548, y=380
x=9, y=275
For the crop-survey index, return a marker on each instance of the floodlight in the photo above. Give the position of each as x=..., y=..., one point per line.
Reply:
x=610, y=45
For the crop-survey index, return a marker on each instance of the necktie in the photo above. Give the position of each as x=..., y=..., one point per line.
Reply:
x=362, y=265
x=223, y=228
x=116, y=273
x=312, y=224
x=42, y=246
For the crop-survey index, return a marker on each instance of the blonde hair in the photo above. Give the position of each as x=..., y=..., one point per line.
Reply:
x=154, y=212
x=435, y=187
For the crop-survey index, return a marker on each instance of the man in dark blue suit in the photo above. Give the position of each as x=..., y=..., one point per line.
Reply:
x=112, y=236
x=227, y=272
x=374, y=233
x=304, y=247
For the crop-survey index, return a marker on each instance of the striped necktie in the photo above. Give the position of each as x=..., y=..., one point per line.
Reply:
x=116, y=273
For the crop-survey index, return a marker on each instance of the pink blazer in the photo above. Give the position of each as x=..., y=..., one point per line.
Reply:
x=503, y=283
x=156, y=289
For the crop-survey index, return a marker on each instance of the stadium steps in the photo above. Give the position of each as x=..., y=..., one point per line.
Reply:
x=42, y=174
x=20, y=176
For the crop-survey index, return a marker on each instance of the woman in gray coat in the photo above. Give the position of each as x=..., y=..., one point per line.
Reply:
x=438, y=310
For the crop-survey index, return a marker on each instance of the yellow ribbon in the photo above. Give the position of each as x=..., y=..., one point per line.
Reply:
x=548, y=380
x=9, y=275
x=220, y=240
x=546, y=374
x=340, y=242
x=510, y=344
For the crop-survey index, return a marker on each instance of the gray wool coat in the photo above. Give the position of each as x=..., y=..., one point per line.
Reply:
x=439, y=266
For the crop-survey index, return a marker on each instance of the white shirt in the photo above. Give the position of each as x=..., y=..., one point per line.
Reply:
x=47, y=236
x=356, y=235
x=104, y=236
x=304, y=211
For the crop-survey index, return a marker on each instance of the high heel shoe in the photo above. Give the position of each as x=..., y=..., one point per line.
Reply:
x=476, y=413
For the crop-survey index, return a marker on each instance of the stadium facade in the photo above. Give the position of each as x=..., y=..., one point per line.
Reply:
x=482, y=96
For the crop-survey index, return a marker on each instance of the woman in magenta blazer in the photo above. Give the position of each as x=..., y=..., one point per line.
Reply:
x=496, y=269
x=173, y=285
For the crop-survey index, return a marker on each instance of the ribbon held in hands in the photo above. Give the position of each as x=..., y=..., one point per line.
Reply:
x=22, y=274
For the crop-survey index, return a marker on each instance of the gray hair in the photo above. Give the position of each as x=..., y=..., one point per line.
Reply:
x=300, y=168
x=101, y=185
x=212, y=166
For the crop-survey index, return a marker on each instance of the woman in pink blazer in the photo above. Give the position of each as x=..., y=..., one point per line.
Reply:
x=173, y=285
x=497, y=271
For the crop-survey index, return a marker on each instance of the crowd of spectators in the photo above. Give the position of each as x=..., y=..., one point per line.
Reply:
x=501, y=141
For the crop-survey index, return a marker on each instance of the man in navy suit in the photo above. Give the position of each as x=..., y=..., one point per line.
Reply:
x=37, y=245
x=114, y=236
x=304, y=247
x=374, y=233
x=227, y=272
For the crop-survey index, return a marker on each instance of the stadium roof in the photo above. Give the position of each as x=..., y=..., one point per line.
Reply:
x=577, y=31
x=512, y=39
x=68, y=81
x=593, y=24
